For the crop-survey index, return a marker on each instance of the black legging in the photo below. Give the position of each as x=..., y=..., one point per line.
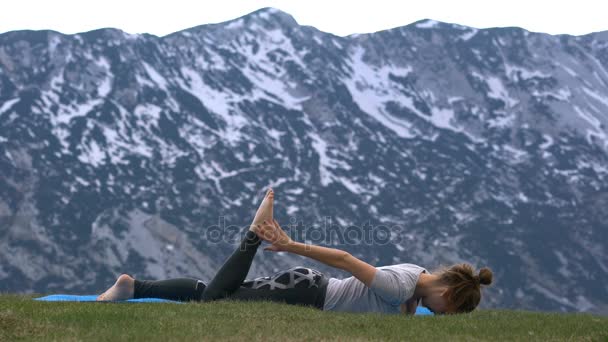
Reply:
x=298, y=285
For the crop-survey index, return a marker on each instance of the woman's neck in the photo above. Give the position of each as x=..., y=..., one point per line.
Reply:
x=427, y=285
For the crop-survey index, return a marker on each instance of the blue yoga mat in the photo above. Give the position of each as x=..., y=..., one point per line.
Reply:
x=93, y=298
x=421, y=311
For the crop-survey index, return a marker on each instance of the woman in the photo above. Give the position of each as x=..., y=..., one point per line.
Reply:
x=390, y=289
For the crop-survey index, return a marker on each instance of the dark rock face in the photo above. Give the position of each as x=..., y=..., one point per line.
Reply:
x=127, y=153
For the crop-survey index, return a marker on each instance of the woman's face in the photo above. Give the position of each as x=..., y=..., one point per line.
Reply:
x=438, y=304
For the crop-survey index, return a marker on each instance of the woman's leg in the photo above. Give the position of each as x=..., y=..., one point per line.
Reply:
x=297, y=285
x=180, y=289
x=226, y=281
x=234, y=271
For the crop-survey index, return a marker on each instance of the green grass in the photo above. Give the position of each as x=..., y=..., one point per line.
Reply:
x=23, y=318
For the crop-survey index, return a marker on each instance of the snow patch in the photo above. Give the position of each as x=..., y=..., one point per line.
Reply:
x=325, y=162
x=547, y=293
x=234, y=24
x=563, y=269
x=596, y=96
x=588, y=117
x=518, y=154
x=328, y=163
x=295, y=191
x=92, y=154
x=599, y=79
x=469, y=35
x=291, y=209
x=82, y=181
x=547, y=143
x=501, y=121
x=66, y=113
x=155, y=76
x=514, y=71
x=212, y=62
x=266, y=13
x=53, y=43
x=569, y=71
x=427, y=24
x=270, y=84
x=8, y=104
x=523, y=197
x=583, y=304
x=351, y=186
x=441, y=117
x=453, y=99
x=275, y=134
x=148, y=114
x=217, y=102
x=215, y=172
x=597, y=168
x=106, y=85
x=371, y=89
x=498, y=91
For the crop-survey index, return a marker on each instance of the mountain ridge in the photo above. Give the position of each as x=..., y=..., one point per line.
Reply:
x=284, y=16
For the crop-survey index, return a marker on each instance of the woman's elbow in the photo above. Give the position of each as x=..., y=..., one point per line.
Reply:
x=345, y=260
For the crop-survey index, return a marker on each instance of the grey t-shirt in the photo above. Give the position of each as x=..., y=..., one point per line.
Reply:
x=391, y=287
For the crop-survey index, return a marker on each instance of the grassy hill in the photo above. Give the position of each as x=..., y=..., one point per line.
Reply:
x=23, y=318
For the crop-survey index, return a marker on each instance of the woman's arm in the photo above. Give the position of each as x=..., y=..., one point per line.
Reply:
x=410, y=306
x=335, y=258
x=280, y=241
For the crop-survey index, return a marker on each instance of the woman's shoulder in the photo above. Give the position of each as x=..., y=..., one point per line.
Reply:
x=406, y=267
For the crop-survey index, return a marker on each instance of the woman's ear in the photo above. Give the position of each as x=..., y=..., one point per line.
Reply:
x=446, y=293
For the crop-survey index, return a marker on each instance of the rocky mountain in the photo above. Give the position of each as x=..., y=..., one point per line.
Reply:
x=431, y=143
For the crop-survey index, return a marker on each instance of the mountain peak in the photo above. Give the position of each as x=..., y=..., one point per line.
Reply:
x=267, y=17
x=426, y=23
x=271, y=14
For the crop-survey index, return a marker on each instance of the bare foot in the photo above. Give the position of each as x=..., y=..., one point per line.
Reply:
x=265, y=211
x=121, y=290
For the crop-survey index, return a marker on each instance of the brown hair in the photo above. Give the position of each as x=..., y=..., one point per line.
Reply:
x=464, y=285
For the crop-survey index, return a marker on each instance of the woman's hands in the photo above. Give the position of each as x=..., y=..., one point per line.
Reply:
x=273, y=233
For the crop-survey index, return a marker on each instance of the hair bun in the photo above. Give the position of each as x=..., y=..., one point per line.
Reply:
x=485, y=276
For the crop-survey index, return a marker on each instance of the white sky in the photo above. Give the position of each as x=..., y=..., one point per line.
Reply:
x=341, y=17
